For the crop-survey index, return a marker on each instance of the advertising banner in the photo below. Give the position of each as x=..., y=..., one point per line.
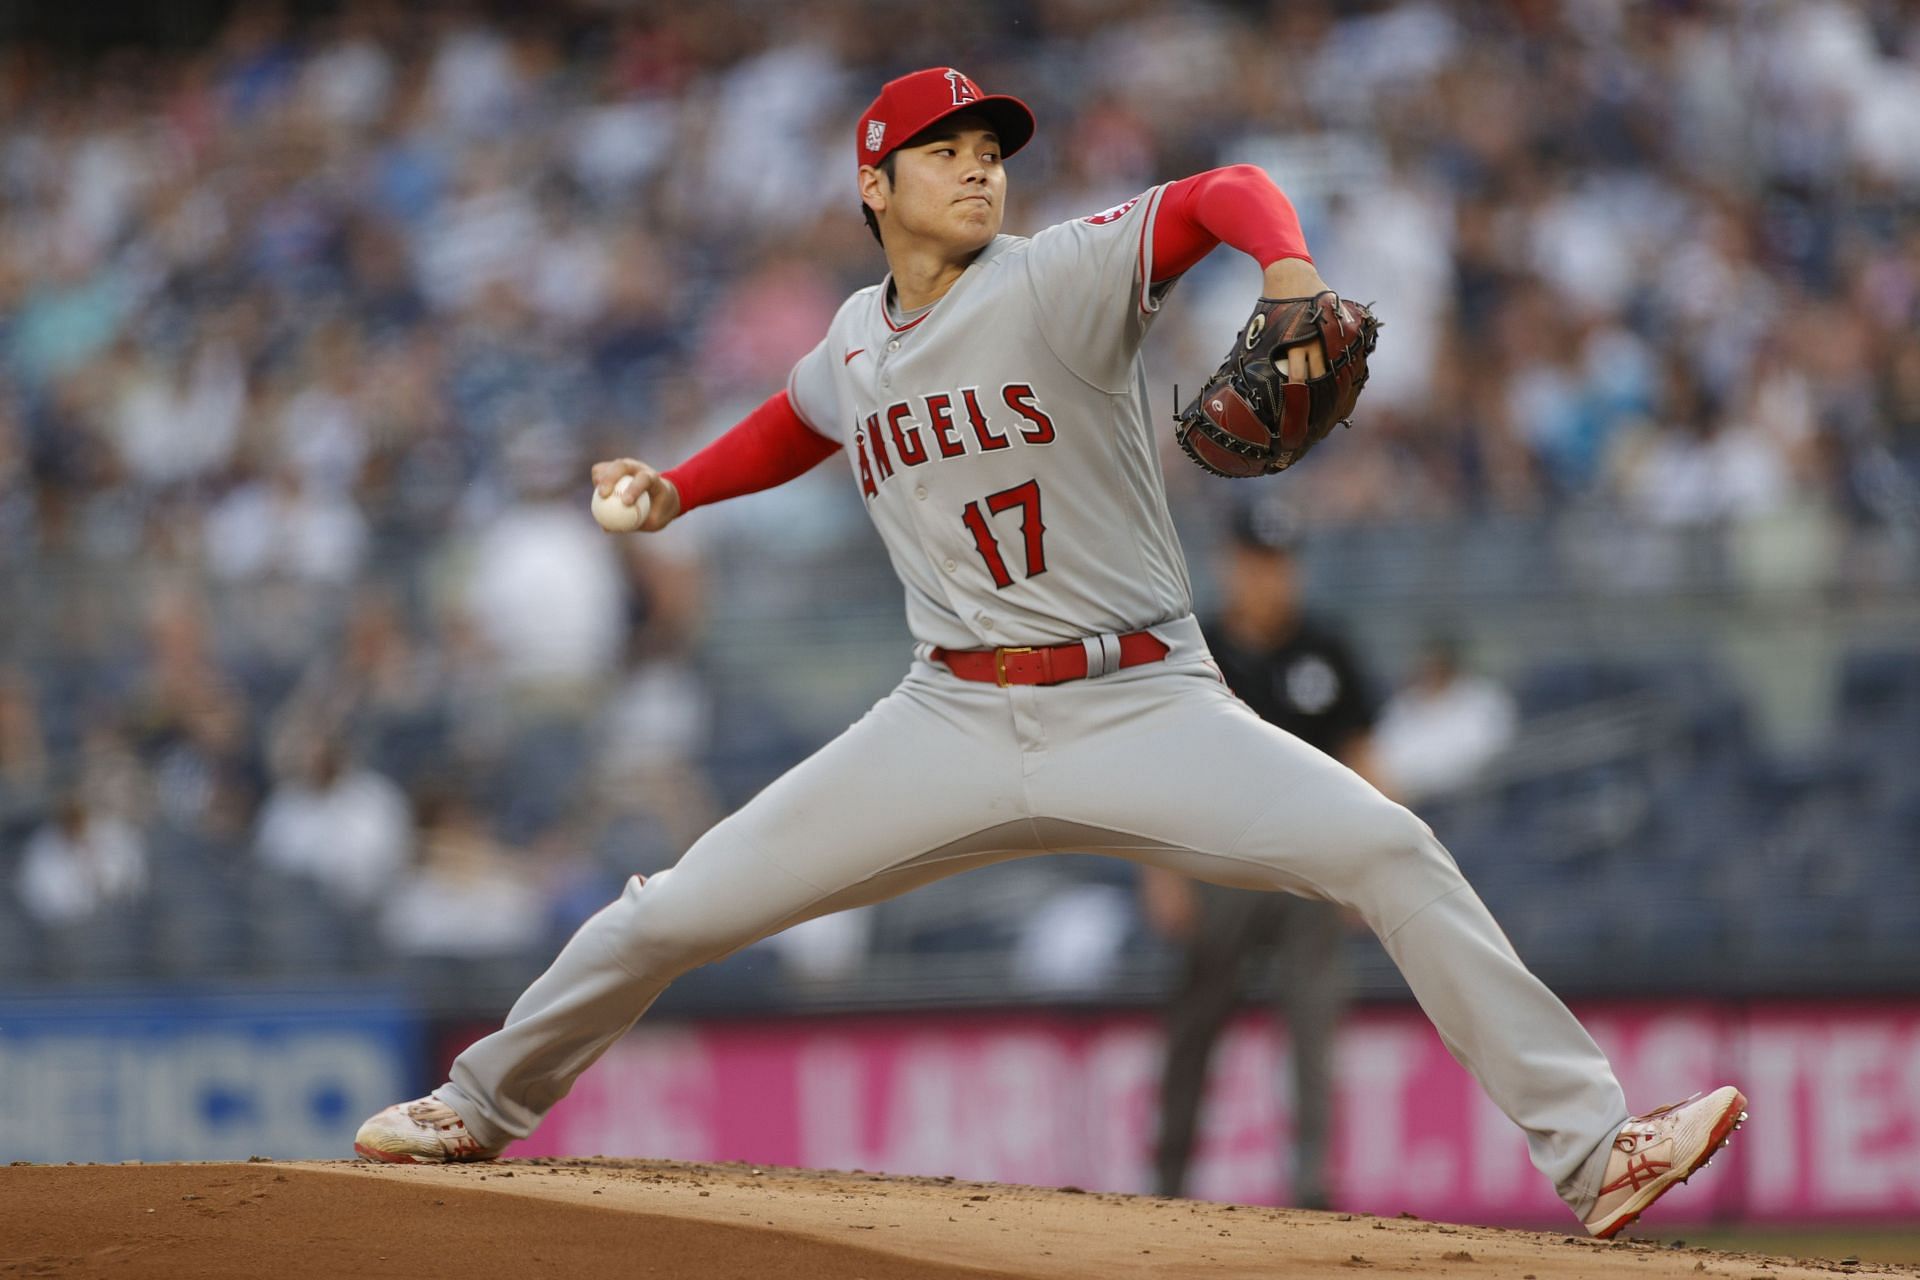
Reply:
x=181, y=1077
x=1060, y=1099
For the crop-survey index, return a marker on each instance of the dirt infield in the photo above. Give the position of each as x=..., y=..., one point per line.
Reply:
x=734, y=1222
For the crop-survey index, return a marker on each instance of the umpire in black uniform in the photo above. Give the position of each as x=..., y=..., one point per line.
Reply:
x=1298, y=672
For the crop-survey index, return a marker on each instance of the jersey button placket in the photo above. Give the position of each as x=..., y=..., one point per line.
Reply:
x=924, y=519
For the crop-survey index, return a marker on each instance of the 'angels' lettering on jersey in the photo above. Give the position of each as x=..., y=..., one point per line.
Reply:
x=894, y=434
x=1002, y=439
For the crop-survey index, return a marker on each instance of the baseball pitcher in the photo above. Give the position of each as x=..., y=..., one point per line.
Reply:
x=989, y=403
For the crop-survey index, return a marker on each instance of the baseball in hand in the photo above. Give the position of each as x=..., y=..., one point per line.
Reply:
x=614, y=515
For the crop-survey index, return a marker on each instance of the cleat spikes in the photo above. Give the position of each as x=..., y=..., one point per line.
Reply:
x=1662, y=1149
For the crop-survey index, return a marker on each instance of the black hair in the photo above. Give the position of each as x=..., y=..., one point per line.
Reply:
x=873, y=224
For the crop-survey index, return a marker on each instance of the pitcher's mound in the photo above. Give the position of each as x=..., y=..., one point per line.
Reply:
x=589, y=1218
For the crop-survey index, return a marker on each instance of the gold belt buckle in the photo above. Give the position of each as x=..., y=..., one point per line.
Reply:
x=1000, y=663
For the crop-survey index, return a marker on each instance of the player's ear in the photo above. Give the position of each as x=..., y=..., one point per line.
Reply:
x=876, y=186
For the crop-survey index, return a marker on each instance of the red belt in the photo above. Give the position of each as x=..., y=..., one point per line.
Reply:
x=1051, y=664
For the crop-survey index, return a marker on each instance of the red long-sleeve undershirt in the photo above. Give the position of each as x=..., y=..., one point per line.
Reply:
x=769, y=447
x=1238, y=206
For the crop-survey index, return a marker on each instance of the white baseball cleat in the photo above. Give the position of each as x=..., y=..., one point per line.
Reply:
x=424, y=1131
x=1657, y=1151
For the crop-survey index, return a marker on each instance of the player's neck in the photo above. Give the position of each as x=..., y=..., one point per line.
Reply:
x=922, y=275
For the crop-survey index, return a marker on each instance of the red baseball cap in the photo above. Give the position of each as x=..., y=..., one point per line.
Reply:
x=913, y=102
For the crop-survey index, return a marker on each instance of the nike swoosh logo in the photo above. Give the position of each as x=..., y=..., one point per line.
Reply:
x=851, y=354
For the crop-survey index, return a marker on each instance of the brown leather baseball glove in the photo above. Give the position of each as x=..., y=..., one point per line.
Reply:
x=1250, y=420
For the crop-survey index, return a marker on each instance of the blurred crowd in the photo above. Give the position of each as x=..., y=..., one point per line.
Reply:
x=307, y=337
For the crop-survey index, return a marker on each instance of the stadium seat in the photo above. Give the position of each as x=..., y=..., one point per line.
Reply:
x=201, y=934
x=110, y=945
x=293, y=928
x=1879, y=684
x=1560, y=686
x=22, y=950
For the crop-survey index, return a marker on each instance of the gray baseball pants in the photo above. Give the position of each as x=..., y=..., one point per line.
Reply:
x=1158, y=763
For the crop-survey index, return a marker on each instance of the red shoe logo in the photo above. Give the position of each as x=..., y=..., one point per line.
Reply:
x=1639, y=1172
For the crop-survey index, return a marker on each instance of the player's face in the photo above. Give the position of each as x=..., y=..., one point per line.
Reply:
x=1262, y=587
x=949, y=188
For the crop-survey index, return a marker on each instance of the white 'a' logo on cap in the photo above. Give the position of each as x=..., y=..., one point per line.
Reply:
x=964, y=90
x=876, y=130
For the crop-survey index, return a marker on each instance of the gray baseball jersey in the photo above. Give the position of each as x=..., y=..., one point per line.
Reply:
x=1001, y=439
